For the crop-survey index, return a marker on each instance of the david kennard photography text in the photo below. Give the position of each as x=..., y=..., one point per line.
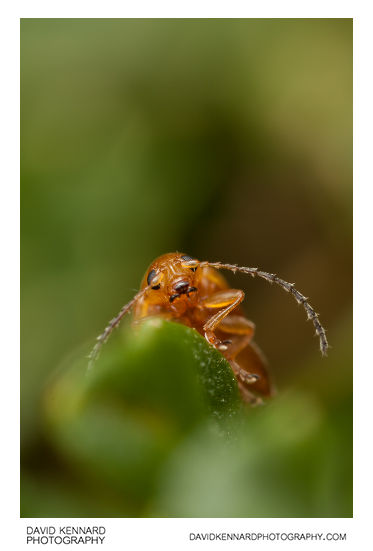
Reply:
x=66, y=534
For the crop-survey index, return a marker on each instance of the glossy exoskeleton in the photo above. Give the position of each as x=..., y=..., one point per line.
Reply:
x=180, y=288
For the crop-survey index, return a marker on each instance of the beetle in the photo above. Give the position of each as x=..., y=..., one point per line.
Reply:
x=181, y=288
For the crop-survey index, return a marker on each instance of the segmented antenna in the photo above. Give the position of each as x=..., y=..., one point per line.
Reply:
x=101, y=339
x=288, y=287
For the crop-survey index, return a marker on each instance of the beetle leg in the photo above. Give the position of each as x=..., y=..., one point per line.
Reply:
x=242, y=375
x=248, y=396
x=239, y=328
x=251, y=360
x=225, y=301
x=240, y=332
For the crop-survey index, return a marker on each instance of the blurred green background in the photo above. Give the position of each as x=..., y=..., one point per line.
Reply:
x=229, y=140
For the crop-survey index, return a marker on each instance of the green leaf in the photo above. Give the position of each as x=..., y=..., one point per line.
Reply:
x=117, y=422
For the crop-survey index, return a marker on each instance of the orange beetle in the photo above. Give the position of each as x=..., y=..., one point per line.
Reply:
x=180, y=288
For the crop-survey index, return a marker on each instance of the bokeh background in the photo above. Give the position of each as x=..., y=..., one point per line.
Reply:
x=229, y=140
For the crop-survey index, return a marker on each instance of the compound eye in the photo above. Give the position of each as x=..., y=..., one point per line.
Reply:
x=189, y=262
x=151, y=276
x=154, y=279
